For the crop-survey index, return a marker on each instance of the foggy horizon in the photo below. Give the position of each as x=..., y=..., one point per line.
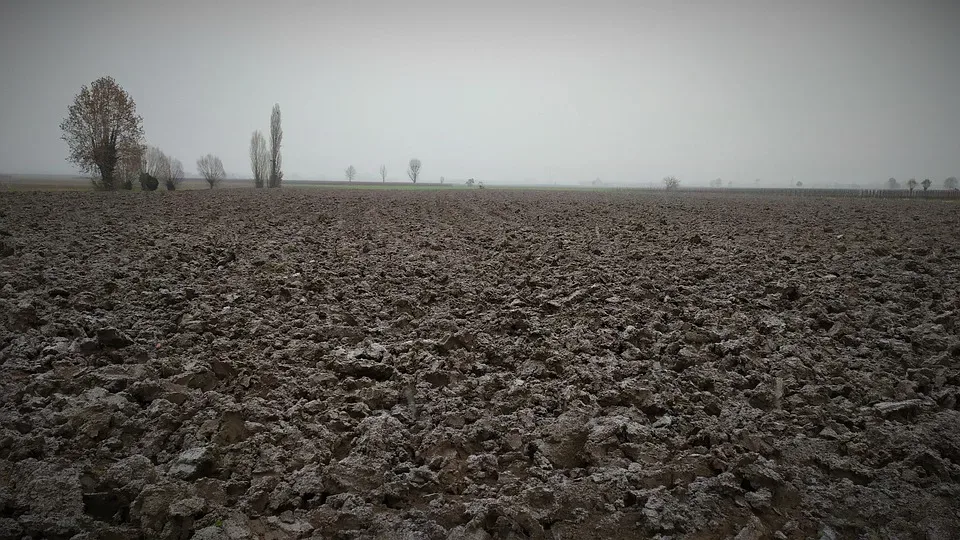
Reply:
x=627, y=92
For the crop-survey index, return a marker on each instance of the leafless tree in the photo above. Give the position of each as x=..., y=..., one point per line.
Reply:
x=128, y=168
x=101, y=128
x=154, y=161
x=383, y=174
x=276, y=137
x=671, y=182
x=799, y=183
x=912, y=184
x=164, y=170
x=470, y=182
x=175, y=176
x=951, y=183
x=414, y=171
x=211, y=169
x=350, y=173
x=926, y=184
x=259, y=158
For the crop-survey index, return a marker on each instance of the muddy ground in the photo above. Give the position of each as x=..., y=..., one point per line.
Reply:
x=477, y=364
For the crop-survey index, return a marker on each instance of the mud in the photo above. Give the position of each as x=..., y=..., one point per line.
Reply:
x=477, y=364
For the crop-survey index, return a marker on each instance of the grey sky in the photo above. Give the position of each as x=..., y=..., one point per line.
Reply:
x=854, y=90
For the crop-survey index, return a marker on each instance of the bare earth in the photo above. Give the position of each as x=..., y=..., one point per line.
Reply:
x=477, y=364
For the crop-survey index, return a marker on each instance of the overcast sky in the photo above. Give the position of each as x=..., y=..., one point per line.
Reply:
x=823, y=91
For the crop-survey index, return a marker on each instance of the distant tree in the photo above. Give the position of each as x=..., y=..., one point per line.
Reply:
x=597, y=181
x=912, y=184
x=470, y=182
x=276, y=138
x=162, y=169
x=951, y=183
x=102, y=129
x=481, y=185
x=414, y=171
x=730, y=184
x=128, y=168
x=926, y=184
x=211, y=169
x=716, y=183
x=441, y=180
x=383, y=174
x=799, y=183
x=153, y=161
x=892, y=183
x=175, y=176
x=259, y=158
x=148, y=182
x=671, y=182
x=350, y=173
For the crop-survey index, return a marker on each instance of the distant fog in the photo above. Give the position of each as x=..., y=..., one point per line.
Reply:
x=827, y=93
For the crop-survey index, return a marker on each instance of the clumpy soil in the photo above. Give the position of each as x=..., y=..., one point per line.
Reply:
x=477, y=364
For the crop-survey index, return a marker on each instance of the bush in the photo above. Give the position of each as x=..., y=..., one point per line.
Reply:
x=148, y=182
x=127, y=185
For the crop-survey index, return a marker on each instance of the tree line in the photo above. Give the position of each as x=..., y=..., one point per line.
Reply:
x=104, y=135
x=105, y=138
x=949, y=183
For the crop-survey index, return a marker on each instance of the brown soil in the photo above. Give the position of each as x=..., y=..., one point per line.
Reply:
x=477, y=364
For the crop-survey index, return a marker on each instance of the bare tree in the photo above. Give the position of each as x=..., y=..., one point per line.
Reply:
x=259, y=158
x=211, y=169
x=176, y=174
x=276, y=137
x=414, y=171
x=926, y=184
x=892, y=183
x=152, y=165
x=164, y=170
x=350, y=173
x=128, y=168
x=799, y=183
x=101, y=128
x=671, y=182
x=951, y=183
x=470, y=182
x=154, y=160
x=383, y=174
x=912, y=184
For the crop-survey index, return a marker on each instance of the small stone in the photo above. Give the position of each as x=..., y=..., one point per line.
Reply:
x=111, y=338
x=760, y=499
x=754, y=530
x=898, y=409
x=194, y=506
x=827, y=533
x=828, y=433
x=664, y=421
x=193, y=463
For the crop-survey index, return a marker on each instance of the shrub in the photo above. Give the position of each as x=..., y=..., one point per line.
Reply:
x=148, y=182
